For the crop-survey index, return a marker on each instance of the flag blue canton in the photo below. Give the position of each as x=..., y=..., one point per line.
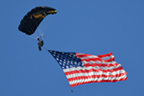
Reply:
x=66, y=59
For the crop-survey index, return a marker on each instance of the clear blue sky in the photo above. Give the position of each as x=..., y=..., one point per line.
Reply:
x=85, y=26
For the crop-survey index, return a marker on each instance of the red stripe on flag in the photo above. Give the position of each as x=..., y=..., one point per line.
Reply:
x=83, y=55
x=100, y=65
x=96, y=76
x=92, y=59
x=123, y=79
x=93, y=70
x=97, y=58
x=100, y=56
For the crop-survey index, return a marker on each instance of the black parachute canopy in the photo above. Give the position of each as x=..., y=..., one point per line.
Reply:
x=32, y=19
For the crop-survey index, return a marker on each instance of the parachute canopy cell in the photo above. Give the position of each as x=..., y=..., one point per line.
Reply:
x=32, y=19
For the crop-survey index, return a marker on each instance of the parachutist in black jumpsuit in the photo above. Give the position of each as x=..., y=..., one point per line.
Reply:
x=40, y=44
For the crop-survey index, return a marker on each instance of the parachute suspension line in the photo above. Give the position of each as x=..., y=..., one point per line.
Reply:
x=41, y=34
x=34, y=36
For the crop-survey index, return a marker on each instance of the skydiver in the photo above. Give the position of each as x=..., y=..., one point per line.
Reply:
x=40, y=44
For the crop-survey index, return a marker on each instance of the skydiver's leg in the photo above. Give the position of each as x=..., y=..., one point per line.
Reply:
x=39, y=48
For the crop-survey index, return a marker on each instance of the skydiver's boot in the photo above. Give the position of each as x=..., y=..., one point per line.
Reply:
x=39, y=48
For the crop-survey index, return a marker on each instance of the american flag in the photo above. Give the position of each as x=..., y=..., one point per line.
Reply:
x=82, y=68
